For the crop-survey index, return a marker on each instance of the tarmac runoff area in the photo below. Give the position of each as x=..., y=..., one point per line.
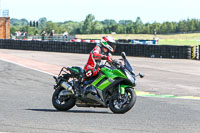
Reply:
x=164, y=78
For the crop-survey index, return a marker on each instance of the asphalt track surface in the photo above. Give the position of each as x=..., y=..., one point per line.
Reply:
x=25, y=103
x=179, y=77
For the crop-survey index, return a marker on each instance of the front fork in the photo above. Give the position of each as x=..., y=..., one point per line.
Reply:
x=122, y=97
x=121, y=90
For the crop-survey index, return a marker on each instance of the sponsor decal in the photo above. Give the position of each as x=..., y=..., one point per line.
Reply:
x=89, y=73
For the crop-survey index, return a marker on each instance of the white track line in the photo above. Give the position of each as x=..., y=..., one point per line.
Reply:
x=28, y=67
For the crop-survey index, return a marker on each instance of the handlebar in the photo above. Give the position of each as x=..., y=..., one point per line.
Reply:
x=115, y=63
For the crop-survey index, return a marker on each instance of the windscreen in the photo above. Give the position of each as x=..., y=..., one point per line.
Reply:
x=128, y=66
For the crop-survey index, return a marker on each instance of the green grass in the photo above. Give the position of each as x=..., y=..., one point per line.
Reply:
x=173, y=39
x=179, y=42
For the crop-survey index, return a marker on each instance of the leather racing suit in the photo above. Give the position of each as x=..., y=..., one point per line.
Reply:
x=94, y=61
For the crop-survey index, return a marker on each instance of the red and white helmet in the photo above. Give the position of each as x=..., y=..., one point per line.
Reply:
x=109, y=43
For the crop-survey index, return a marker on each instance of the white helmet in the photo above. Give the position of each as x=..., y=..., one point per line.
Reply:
x=109, y=43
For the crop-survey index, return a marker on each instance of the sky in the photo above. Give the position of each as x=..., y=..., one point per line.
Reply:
x=76, y=10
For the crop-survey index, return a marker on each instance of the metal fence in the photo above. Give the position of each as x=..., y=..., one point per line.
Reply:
x=45, y=38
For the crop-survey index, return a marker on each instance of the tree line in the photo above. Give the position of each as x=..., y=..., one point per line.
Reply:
x=92, y=26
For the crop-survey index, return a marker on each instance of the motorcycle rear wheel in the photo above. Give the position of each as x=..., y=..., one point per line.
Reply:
x=62, y=104
x=115, y=103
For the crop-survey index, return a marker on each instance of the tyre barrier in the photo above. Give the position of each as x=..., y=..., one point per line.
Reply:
x=138, y=50
x=198, y=54
x=155, y=51
x=195, y=52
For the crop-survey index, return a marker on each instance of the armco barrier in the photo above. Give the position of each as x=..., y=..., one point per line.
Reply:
x=154, y=51
x=138, y=41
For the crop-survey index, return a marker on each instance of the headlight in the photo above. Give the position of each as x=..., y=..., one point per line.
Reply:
x=130, y=76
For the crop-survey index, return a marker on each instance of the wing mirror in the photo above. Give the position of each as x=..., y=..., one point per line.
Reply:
x=141, y=75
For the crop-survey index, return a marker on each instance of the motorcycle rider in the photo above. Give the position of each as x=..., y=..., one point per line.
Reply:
x=100, y=52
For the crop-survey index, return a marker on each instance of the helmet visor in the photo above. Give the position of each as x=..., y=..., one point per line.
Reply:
x=112, y=44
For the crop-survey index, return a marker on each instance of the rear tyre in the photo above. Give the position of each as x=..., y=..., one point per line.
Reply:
x=124, y=103
x=62, y=103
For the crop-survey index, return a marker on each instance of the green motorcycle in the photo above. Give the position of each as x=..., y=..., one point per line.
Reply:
x=113, y=87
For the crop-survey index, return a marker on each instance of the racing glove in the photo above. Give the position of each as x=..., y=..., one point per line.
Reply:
x=109, y=58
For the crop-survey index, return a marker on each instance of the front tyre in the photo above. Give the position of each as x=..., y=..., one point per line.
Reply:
x=122, y=103
x=62, y=103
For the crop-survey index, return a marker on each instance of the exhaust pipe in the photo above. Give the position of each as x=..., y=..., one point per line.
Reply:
x=67, y=87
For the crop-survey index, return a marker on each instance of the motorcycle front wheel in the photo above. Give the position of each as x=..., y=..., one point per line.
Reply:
x=62, y=103
x=122, y=103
